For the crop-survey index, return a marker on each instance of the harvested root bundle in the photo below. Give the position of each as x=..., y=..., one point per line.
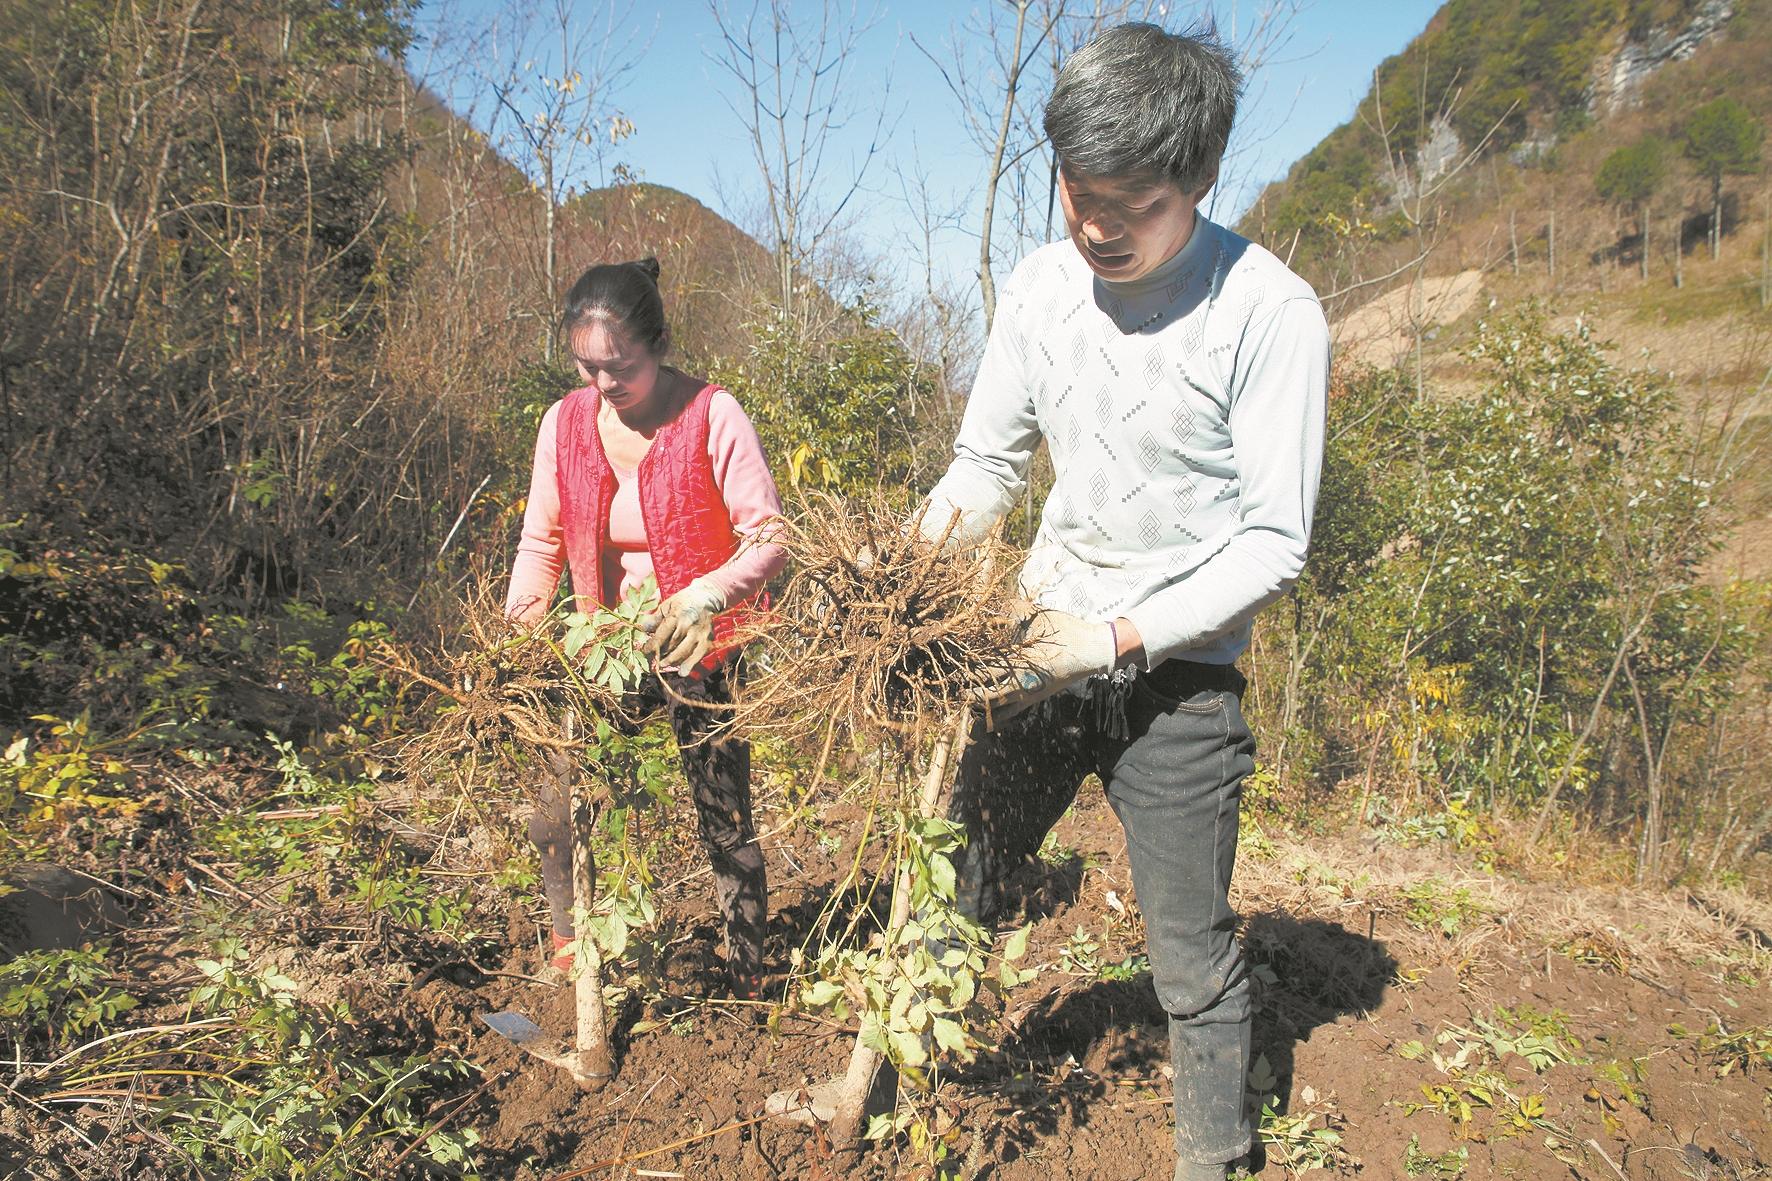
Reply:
x=504, y=691
x=878, y=629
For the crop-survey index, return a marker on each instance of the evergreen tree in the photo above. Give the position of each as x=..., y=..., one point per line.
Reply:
x=1722, y=139
x=1631, y=176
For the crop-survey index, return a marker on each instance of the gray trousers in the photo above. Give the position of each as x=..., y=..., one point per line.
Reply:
x=1174, y=770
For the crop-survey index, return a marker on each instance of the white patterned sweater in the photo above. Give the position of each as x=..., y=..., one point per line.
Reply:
x=1184, y=413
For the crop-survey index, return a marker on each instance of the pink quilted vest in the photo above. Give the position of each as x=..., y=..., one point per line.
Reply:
x=688, y=526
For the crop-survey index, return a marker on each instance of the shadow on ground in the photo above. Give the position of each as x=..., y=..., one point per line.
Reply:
x=1093, y=1041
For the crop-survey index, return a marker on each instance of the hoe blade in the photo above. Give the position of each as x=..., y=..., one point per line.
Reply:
x=519, y=1029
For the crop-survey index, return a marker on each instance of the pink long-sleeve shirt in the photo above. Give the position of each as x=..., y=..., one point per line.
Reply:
x=740, y=473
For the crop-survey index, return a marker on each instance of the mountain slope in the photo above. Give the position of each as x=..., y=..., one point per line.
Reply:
x=1491, y=125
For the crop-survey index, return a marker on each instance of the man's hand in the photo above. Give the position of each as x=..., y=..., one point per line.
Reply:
x=681, y=633
x=1061, y=650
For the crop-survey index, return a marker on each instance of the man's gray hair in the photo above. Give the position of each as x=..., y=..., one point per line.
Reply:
x=1137, y=99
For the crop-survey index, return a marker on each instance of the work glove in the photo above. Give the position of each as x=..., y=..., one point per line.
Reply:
x=681, y=632
x=1060, y=649
x=942, y=524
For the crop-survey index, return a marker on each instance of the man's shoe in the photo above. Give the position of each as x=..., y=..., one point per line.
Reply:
x=1187, y=1170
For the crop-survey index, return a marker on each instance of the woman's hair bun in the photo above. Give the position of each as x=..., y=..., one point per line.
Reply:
x=650, y=266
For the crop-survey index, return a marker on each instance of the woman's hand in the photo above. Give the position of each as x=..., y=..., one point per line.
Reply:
x=681, y=632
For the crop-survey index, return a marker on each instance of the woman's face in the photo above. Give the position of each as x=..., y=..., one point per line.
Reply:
x=624, y=371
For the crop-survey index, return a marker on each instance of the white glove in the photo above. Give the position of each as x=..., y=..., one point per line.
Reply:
x=941, y=523
x=681, y=631
x=1061, y=650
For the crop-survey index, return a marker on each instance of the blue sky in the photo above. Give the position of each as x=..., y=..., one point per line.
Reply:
x=685, y=136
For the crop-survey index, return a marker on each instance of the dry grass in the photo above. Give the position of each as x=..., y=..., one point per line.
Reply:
x=1402, y=893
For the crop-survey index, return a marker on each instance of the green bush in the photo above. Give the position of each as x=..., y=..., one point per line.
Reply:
x=54, y=997
x=1507, y=584
x=840, y=413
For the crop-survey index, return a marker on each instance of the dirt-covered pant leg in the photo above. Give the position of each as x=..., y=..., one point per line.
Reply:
x=1013, y=785
x=719, y=773
x=1175, y=781
x=550, y=827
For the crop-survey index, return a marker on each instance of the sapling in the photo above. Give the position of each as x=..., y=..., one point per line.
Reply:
x=886, y=637
x=521, y=698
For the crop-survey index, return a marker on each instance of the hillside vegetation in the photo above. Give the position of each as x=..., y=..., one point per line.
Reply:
x=1500, y=112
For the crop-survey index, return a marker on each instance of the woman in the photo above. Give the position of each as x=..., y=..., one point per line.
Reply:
x=647, y=472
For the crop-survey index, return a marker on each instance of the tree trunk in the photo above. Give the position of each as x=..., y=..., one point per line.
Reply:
x=1550, y=238
x=592, y=1067
x=1513, y=240
x=1643, y=246
x=1716, y=218
x=549, y=214
x=987, y=286
x=849, y=1120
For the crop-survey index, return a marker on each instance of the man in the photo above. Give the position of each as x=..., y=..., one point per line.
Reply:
x=1178, y=374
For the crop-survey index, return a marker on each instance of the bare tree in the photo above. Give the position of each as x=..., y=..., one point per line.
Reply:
x=1001, y=68
x=552, y=71
x=794, y=95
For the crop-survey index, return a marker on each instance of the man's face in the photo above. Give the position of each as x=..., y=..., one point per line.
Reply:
x=1126, y=226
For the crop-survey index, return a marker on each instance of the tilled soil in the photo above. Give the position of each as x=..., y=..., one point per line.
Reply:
x=1360, y=985
x=1397, y=987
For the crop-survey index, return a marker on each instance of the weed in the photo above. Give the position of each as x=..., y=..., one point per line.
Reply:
x=295, y=1099
x=1433, y=904
x=1130, y=968
x=1448, y=1164
x=349, y=680
x=1081, y=954
x=1460, y=1099
x=1459, y=824
x=256, y=1085
x=403, y=895
x=66, y=770
x=518, y=874
x=308, y=826
x=1055, y=852
x=1542, y=1039
x=1252, y=839
x=59, y=995
x=1744, y=1050
x=1298, y=1142
x=1626, y=1080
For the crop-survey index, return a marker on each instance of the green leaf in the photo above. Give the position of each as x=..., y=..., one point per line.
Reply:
x=907, y=1047
x=1016, y=945
x=821, y=993
x=941, y=878
x=950, y=1036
